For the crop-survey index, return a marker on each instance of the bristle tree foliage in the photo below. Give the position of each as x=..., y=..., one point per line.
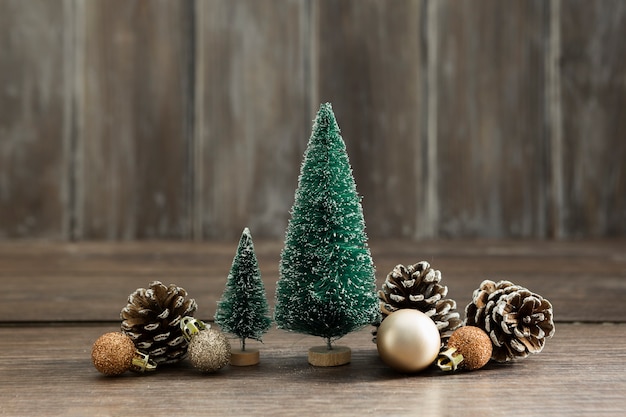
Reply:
x=326, y=283
x=243, y=309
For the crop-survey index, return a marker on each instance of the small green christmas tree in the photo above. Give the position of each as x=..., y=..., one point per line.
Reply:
x=243, y=309
x=326, y=283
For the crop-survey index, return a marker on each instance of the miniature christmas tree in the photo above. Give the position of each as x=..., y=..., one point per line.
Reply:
x=243, y=309
x=326, y=285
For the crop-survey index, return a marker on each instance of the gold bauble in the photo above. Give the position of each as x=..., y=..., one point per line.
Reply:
x=474, y=344
x=112, y=354
x=408, y=340
x=209, y=350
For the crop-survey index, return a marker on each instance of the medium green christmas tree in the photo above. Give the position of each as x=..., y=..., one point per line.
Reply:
x=326, y=283
x=243, y=309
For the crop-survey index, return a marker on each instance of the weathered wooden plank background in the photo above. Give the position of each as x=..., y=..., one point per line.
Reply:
x=156, y=119
x=134, y=125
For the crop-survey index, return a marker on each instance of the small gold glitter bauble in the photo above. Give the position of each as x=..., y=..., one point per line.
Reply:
x=209, y=350
x=112, y=354
x=408, y=340
x=474, y=344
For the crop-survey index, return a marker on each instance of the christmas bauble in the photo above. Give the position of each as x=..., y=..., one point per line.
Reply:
x=112, y=354
x=209, y=350
x=469, y=348
x=115, y=353
x=408, y=340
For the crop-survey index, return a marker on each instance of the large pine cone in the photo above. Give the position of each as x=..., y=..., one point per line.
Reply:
x=517, y=320
x=418, y=287
x=151, y=319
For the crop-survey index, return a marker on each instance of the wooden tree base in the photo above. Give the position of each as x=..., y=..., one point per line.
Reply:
x=246, y=357
x=321, y=356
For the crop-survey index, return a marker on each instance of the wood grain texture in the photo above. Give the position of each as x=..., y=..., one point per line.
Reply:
x=134, y=143
x=152, y=119
x=369, y=67
x=585, y=281
x=593, y=64
x=254, y=118
x=573, y=375
x=32, y=119
x=491, y=143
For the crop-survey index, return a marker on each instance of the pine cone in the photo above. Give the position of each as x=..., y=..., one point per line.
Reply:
x=417, y=287
x=517, y=320
x=151, y=319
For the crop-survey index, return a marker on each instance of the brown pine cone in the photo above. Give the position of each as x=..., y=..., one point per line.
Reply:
x=151, y=319
x=517, y=320
x=418, y=287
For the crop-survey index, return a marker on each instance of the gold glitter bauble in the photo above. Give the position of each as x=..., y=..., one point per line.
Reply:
x=112, y=354
x=408, y=340
x=474, y=344
x=209, y=350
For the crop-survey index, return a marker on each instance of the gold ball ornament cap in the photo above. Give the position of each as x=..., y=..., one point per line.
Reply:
x=114, y=353
x=191, y=326
x=408, y=340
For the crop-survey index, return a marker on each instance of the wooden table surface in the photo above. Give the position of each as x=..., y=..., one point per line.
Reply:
x=58, y=298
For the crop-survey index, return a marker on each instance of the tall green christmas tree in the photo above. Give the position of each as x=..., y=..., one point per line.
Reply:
x=326, y=285
x=243, y=309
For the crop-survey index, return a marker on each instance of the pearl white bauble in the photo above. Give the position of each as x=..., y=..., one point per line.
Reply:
x=408, y=340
